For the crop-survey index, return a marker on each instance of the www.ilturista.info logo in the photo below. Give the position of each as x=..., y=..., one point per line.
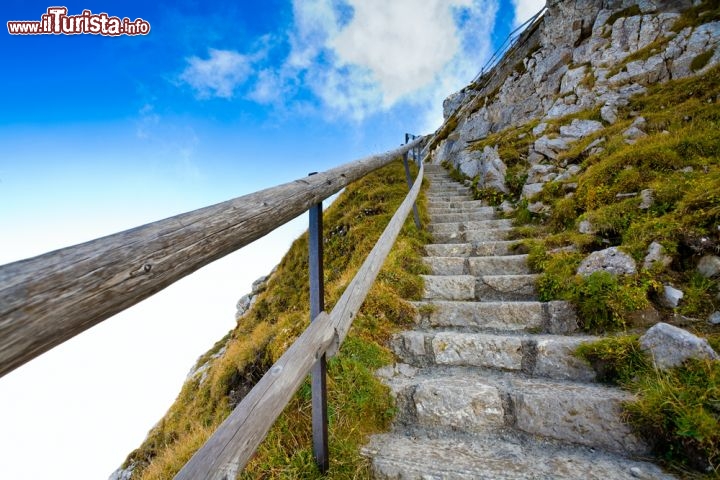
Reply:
x=57, y=22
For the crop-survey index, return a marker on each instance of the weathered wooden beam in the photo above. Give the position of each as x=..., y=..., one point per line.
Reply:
x=48, y=299
x=232, y=445
x=236, y=439
x=354, y=295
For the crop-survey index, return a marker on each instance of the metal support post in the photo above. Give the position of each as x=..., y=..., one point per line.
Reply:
x=319, y=370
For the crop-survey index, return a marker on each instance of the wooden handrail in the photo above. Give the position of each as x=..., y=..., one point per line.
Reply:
x=48, y=299
x=236, y=439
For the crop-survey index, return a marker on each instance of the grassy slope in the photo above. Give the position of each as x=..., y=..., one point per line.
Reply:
x=358, y=403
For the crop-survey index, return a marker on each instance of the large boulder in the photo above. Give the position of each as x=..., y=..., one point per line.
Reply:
x=550, y=147
x=670, y=346
x=485, y=165
x=610, y=260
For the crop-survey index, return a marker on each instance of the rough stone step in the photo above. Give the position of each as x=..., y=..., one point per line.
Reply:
x=491, y=456
x=548, y=356
x=538, y=317
x=485, y=214
x=485, y=288
x=475, y=400
x=449, y=186
x=478, y=266
x=479, y=249
x=489, y=211
x=452, y=198
x=470, y=225
x=482, y=235
x=468, y=204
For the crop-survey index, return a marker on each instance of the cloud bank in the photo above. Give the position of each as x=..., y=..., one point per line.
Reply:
x=355, y=58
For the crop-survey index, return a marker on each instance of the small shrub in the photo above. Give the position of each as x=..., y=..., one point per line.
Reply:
x=678, y=410
x=616, y=360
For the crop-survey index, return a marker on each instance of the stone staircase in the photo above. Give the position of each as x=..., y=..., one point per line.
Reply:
x=488, y=387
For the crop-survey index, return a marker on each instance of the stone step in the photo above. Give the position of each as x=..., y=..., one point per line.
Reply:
x=496, y=456
x=482, y=235
x=479, y=249
x=539, y=317
x=448, y=187
x=473, y=400
x=484, y=214
x=470, y=225
x=467, y=205
x=485, y=211
x=485, y=288
x=547, y=356
x=478, y=266
x=452, y=198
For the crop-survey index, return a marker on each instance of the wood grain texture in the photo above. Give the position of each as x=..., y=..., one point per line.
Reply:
x=234, y=442
x=48, y=299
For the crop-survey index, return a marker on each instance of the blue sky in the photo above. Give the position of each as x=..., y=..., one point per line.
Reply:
x=100, y=134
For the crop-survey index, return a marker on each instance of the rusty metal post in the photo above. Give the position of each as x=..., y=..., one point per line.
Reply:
x=319, y=370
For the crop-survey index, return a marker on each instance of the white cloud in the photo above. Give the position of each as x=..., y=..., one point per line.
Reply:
x=524, y=9
x=218, y=75
x=363, y=57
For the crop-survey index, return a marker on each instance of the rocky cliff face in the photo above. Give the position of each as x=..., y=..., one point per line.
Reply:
x=580, y=55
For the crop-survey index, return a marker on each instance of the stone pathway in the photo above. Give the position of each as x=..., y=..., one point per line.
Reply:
x=489, y=388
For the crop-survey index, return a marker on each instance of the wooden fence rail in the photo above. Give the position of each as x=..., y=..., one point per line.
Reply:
x=236, y=439
x=48, y=299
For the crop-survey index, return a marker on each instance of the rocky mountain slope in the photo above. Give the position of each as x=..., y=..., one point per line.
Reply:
x=597, y=136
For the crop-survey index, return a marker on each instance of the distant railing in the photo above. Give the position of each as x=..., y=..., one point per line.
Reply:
x=48, y=299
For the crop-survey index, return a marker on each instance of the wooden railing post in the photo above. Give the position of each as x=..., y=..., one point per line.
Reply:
x=408, y=177
x=319, y=370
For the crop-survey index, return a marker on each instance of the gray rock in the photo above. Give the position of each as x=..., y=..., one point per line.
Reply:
x=632, y=134
x=468, y=163
x=259, y=284
x=610, y=260
x=506, y=207
x=539, y=129
x=580, y=128
x=443, y=151
x=670, y=346
x=571, y=80
x=244, y=304
x=539, y=208
x=570, y=171
x=486, y=165
x=541, y=173
x=709, y=266
x=550, y=147
x=451, y=103
x=647, y=199
x=123, y=473
x=531, y=189
x=714, y=318
x=609, y=114
x=587, y=228
x=656, y=254
x=493, y=171
x=672, y=296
